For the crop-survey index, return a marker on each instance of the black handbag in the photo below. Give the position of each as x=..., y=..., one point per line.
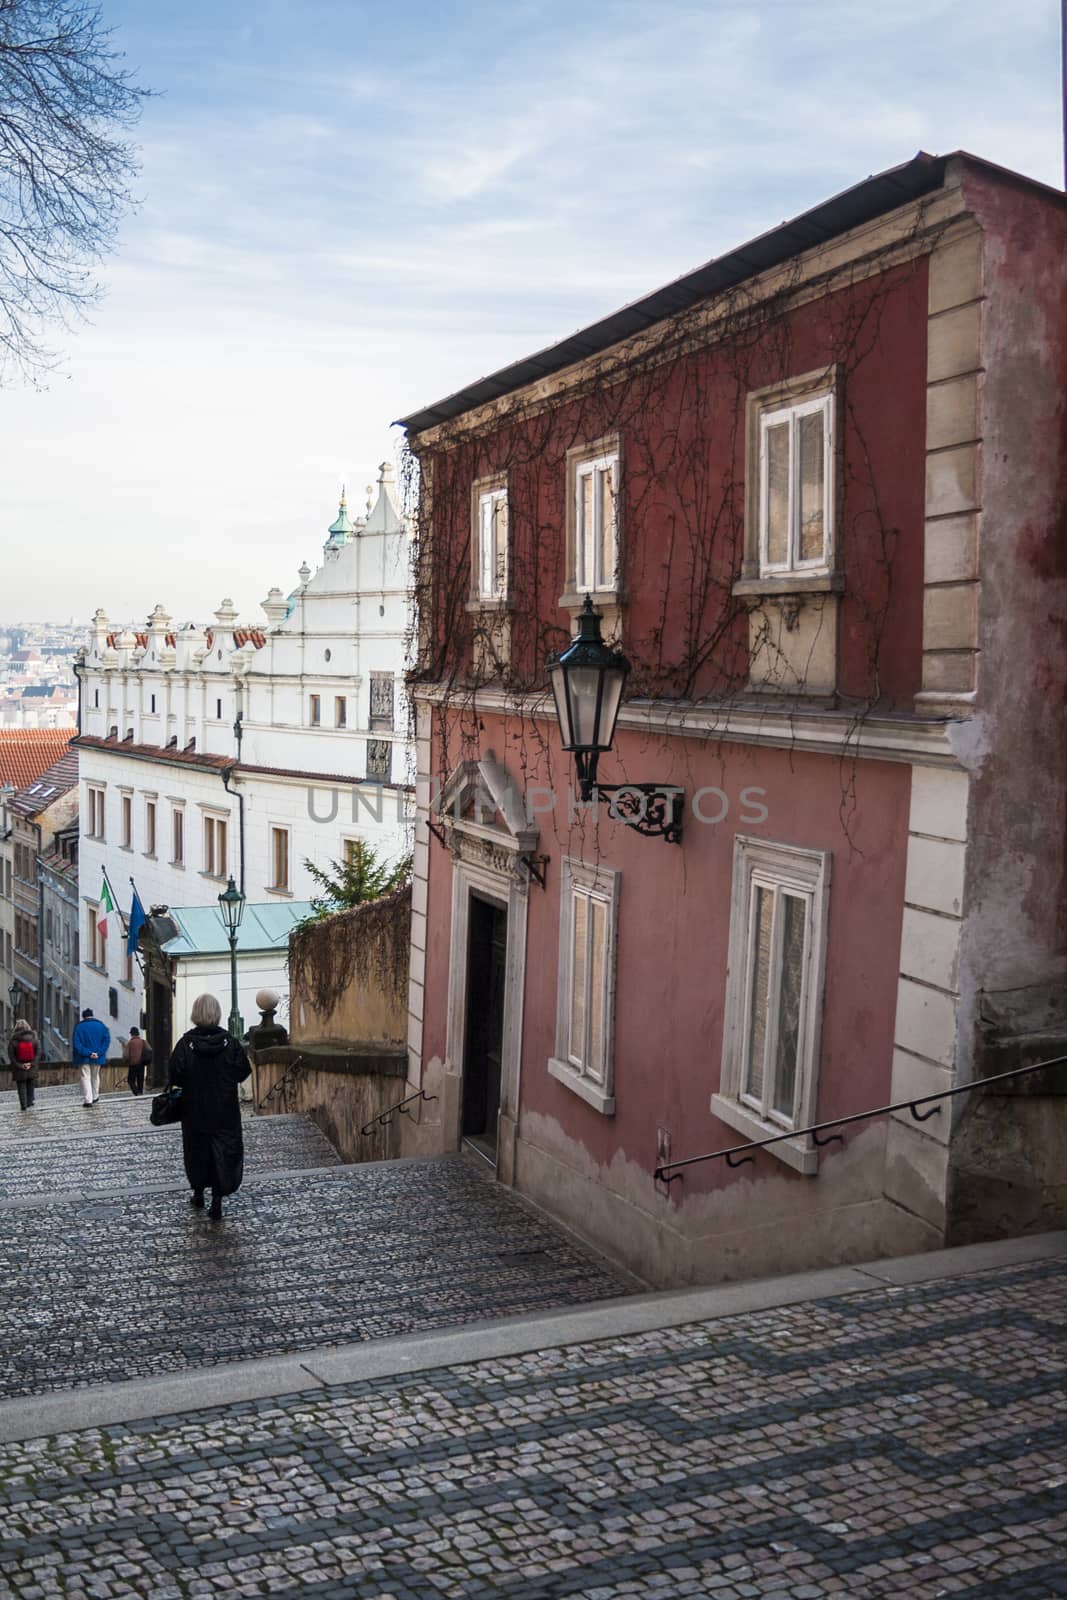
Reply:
x=166, y=1107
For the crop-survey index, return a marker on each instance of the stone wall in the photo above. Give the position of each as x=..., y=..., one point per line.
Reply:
x=341, y=1090
x=1007, y=1173
x=349, y=975
x=112, y=1076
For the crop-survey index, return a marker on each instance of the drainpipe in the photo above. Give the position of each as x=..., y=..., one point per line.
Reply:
x=40, y=938
x=227, y=774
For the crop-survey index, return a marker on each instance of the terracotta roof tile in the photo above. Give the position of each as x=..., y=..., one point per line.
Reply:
x=26, y=752
x=151, y=752
x=47, y=787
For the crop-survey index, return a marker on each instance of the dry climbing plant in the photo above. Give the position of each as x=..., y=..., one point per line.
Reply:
x=368, y=946
x=681, y=383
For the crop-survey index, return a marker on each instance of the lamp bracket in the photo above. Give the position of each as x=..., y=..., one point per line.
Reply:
x=651, y=809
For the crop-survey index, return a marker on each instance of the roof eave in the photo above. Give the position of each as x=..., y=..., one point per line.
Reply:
x=863, y=202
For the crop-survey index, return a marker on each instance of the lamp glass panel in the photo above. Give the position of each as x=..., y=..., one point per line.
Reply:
x=558, y=679
x=614, y=681
x=583, y=687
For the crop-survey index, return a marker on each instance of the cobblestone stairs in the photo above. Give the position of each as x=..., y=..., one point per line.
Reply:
x=107, y=1274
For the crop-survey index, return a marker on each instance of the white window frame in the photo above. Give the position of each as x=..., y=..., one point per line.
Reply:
x=492, y=547
x=151, y=824
x=599, y=884
x=212, y=823
x=96, y=811
x=314, y=710
x=791, y=415
x=177, y=858
x=126, y=818
x=598, y=582
x=286, y=887
x=805, y=874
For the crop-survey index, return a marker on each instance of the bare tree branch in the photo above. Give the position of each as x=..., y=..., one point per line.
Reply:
x=66, y=165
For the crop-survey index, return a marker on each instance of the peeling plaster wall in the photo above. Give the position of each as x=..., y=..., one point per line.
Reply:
x=1016, y=930
x=751, y=1228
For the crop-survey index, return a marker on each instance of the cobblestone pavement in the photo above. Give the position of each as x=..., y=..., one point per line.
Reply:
x=59, y=1114
x=101, y=1290
x=113, y=1160
x=889, y=1444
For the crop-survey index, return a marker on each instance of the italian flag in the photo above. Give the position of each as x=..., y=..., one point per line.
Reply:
x=107, y=906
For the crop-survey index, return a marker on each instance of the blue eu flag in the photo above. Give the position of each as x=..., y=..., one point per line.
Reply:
x=137, y=922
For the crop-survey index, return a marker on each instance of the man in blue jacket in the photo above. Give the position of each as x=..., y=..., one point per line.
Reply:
x=89, y=1046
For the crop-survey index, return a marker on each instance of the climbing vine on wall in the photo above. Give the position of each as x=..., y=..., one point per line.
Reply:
x=675, y=397
x=368, y=945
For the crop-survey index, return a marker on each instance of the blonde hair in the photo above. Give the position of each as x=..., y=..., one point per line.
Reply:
x=206, y=1012
x=22, y=1026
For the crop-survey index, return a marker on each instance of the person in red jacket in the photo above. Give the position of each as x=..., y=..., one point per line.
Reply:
x=23, y=1053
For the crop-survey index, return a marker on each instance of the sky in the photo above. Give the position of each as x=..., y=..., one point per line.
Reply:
x=348, y=210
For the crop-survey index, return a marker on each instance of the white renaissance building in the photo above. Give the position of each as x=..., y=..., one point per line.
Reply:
x=247, y=751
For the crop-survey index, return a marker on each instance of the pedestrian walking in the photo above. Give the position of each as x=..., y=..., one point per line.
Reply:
x=89, y=1045
x=207, y=1065
x=137, y=1054
x=23, y=1052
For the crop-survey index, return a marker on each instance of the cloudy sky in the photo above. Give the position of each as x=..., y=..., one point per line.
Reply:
x=351, y=209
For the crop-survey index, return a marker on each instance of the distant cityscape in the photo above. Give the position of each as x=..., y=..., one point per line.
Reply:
x=37, y=687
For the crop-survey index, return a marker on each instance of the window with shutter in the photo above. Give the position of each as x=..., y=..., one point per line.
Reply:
x=583, y=1059
x=770, y=1044
x=794, y=488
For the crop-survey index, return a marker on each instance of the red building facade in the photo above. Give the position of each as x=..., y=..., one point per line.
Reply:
x=789, y=483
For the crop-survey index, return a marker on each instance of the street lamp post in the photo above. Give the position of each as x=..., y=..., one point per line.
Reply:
x=588, y=679
x=232, y=905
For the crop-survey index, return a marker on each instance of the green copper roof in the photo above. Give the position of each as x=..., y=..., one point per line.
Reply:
x=263, y=927
x=342, y=528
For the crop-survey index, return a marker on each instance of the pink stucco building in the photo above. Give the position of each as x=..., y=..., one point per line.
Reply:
x=816, y=493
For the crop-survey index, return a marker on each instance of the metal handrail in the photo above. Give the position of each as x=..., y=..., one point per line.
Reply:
x=733, y=1157
x=273, y=1090
x=385, y=1117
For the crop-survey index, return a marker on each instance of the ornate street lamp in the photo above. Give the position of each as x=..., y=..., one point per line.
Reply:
x=587, y=682
x=232, y=906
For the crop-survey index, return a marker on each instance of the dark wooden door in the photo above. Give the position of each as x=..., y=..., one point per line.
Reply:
x=486, y=953
x=160, y=1031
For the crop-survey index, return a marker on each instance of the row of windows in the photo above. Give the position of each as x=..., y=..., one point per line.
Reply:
x=215, y=839
x=789, y=475
x=382, y=710
x=775, y=974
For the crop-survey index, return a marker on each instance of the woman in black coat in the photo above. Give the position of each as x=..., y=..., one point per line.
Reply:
x=208, y=1064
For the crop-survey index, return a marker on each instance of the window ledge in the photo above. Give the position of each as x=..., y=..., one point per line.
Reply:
x=495, y=606
x=795, y=1152
x=215, y=877
x=574, y=599
x=564, y=1073
x=272, y=888
x=789, y=584
x=94, y=968
x=128, y=848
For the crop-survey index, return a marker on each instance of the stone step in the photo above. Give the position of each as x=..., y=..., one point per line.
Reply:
x=98, y=1291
